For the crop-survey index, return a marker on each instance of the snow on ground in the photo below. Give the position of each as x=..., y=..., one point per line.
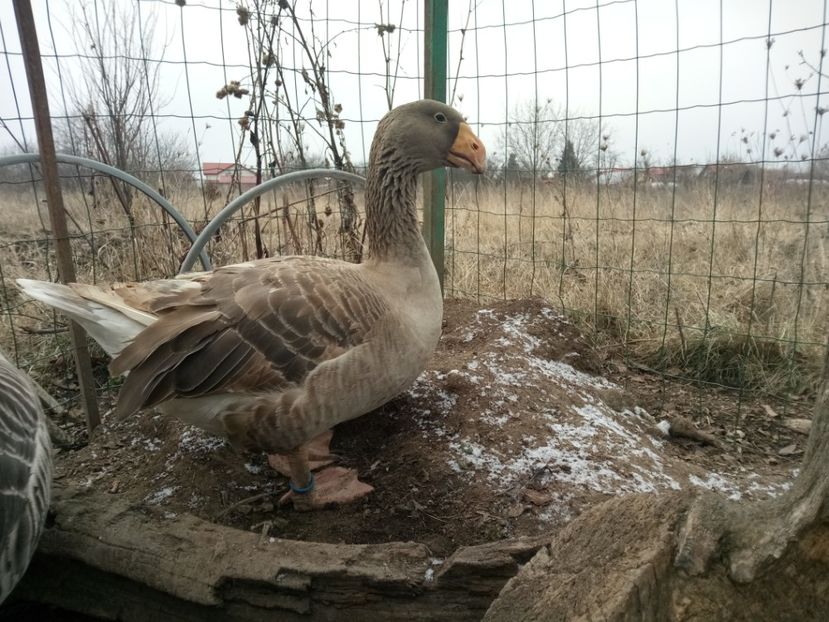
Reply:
x=544, y=421
x=160, y=495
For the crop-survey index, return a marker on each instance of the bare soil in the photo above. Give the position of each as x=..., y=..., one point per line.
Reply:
x=517, y=426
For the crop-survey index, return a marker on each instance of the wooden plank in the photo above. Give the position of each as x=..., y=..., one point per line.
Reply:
x=104, y=556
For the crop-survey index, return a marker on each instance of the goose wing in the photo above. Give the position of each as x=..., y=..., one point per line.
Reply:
x=253, y=327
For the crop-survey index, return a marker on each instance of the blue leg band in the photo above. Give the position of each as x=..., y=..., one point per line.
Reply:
x=305, y=490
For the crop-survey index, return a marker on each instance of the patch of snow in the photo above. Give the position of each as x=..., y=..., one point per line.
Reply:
x=768, y=489
x=197, y=441
x=664, y=427
x=515, y=327
x=557, y=509
x=426, y=392
x=594, y=454
x=575, y=434
x=565, y=374
x=495, y=420
x=446, y=400
x=717, y=482
x=160, y=495
x=429, y=575
x=254, y=469
x=424, y=388
x=566, y=458
x=152, y=444
x=594, y=416
x=552, y=314
x=641, y=412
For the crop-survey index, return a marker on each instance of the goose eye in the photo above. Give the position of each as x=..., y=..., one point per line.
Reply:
x=440, y=117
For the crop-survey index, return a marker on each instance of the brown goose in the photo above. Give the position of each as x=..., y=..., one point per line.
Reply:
x=271, y=354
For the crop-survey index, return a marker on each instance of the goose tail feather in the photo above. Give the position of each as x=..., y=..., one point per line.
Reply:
x=104, y=316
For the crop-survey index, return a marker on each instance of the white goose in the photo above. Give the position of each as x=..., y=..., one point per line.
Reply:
x=271, y=354
x=25, y=474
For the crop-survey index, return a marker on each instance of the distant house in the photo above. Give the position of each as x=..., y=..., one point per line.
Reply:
x=615, y=175
x=660, y=176
x=222, y=174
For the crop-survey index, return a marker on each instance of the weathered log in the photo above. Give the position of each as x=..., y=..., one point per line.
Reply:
x=105, y=558
x=608, y=564
x=616, y=562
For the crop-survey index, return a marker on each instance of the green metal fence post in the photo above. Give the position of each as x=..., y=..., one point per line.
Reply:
x=434, y=183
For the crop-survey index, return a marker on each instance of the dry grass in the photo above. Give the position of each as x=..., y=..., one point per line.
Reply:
x=732, y=312
x=749, y=309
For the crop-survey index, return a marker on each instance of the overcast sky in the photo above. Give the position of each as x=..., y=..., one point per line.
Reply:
x=580, y=57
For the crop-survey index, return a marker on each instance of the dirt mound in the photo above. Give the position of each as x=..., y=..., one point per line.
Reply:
x=512, y=430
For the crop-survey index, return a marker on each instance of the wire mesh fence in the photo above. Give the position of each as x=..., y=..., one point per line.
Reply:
x=657, y=170
x=660, y=170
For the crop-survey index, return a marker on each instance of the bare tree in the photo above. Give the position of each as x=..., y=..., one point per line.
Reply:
x=536, y=135
x=288, y=104
x=115, y=95
x=387, y=31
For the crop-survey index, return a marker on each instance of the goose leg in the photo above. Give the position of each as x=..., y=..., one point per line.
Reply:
x=334, y=485
x=319, y=455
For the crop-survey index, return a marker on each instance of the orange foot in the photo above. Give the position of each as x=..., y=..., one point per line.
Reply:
x=332, y=486
x=319, y=455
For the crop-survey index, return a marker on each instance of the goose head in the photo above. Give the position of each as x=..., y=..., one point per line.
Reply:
x=427, y=134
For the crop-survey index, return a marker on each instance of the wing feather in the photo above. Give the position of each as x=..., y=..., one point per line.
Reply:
x=248, y=328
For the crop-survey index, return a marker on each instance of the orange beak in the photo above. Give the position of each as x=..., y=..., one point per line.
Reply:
x=467, y=151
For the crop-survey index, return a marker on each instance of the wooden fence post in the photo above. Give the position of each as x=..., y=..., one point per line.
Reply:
x=54, y=197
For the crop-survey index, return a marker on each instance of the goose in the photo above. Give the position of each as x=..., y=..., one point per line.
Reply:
x=271, y=354
x=25, y=474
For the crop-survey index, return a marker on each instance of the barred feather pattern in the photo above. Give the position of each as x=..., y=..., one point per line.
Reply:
x=25, y=474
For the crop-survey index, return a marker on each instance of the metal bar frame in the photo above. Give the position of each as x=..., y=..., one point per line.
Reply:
x=434, y=183
x=64, y=158
x=234, y=206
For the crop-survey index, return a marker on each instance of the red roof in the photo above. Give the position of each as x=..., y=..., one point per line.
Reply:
x=217, y=168
x=223, y=172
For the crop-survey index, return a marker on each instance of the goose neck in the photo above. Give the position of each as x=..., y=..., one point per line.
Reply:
x=391, y=213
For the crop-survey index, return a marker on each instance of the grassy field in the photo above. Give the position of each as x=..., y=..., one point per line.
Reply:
x=720, y=288
x=726, y=286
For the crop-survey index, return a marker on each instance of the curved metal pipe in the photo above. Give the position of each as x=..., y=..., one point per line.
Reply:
x=29, y=158
x=272, y=184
